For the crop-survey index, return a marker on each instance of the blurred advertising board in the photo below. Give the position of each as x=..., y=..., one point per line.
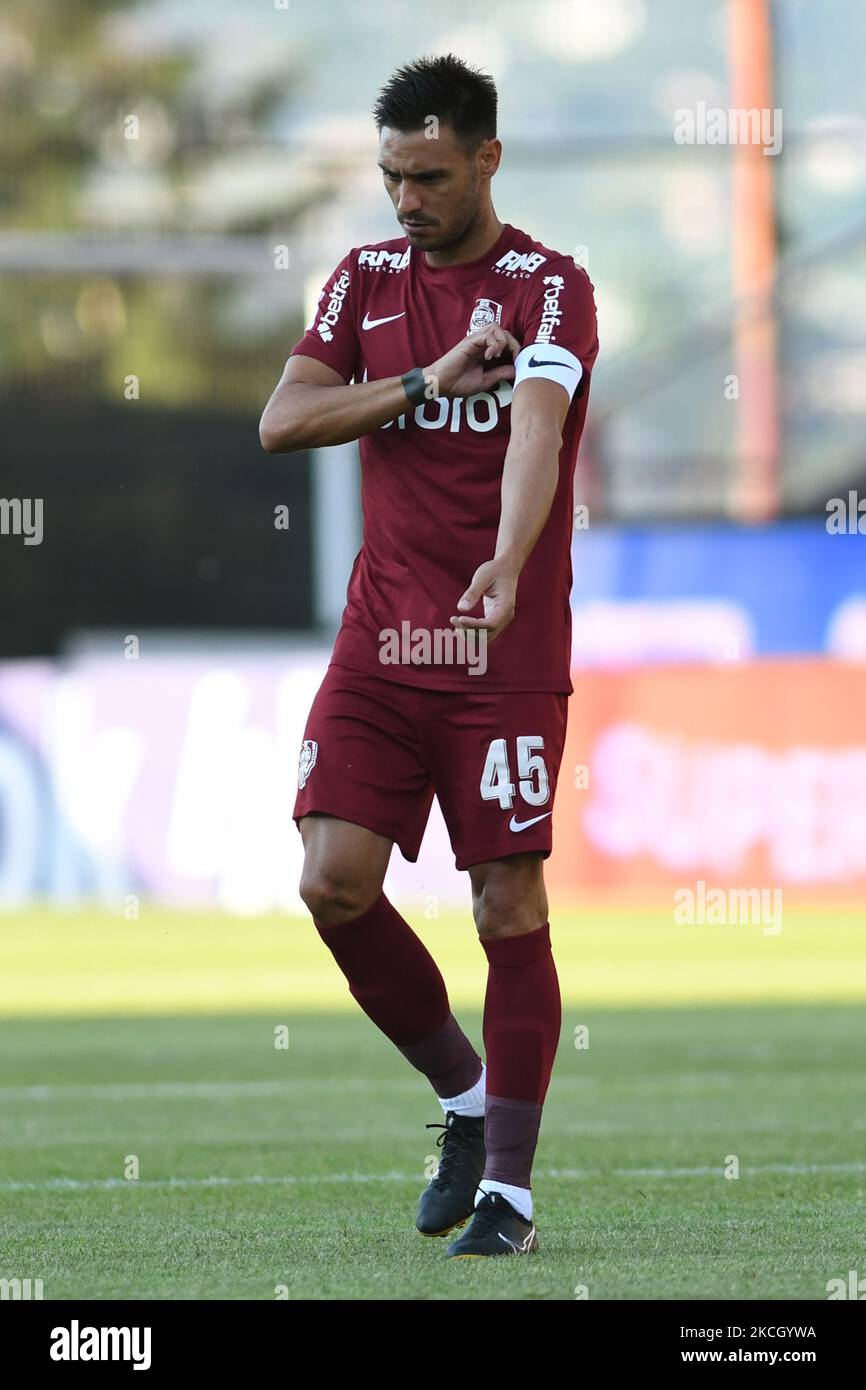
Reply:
x=752, y=773
x=173, y=777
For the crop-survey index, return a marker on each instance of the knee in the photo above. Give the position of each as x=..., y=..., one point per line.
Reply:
x=332, y=896
x=503, y=911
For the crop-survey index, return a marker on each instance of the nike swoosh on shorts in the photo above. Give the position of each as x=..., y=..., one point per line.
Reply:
x=524, y=824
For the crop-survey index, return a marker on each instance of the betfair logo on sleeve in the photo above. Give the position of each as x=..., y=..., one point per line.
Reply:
x=552, y=315
x=333, y=308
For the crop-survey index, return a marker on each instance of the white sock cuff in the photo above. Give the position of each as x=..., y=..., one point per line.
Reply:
x=469, y=1102
x=519, y=1197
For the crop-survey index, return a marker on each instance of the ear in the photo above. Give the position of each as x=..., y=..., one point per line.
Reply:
x=488, y=157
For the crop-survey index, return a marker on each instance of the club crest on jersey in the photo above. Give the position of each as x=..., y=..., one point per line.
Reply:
x=486, y=313
x=306, y=760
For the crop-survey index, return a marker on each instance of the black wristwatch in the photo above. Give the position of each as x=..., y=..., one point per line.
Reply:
x=415, y=385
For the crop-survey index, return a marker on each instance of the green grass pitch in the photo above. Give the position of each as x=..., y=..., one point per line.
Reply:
x=267, y=1171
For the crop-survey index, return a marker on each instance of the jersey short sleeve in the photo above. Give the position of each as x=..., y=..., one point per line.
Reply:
x=331, y=335
x=560, y=335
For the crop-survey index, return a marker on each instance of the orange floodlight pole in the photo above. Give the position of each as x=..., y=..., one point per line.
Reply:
x=756, y=492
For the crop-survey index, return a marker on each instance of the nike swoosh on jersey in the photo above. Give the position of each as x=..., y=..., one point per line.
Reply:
x=533, y=363
x=374, y=323
x=514, y=824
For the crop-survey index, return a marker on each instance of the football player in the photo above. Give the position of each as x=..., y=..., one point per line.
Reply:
x=459, y=354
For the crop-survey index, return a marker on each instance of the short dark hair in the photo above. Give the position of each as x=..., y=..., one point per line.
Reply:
x=461, y=97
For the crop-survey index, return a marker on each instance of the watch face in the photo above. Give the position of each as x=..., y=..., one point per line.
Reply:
x=415, y=385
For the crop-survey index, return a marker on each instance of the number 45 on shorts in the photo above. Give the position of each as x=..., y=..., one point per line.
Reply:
x=532, y=779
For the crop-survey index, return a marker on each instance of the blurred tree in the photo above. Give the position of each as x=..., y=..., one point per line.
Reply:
x=111, y=127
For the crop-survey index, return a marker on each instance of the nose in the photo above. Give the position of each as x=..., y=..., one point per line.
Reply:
x=408, y=202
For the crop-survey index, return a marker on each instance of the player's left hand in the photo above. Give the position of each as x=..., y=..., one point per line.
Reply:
x=496, y=583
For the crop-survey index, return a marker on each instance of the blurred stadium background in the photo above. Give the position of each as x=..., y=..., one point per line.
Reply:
x=176, y=180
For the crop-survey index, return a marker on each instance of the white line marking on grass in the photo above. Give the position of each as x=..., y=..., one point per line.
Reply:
x=287, y=1180
x=794, y=1169
x=183, y=1090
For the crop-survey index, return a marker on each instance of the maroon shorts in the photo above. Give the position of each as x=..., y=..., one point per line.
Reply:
x=375, y=752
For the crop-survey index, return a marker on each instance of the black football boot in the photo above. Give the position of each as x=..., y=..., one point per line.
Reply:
x=449, y=1199
x=495, y=1229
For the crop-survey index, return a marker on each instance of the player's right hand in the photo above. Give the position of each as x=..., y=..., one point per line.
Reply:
x=465, y=369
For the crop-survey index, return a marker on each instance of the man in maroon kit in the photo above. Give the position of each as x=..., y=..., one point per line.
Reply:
x=459, y=355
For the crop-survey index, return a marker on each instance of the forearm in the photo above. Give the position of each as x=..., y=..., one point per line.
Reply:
x=529, y=478
x=301, y=416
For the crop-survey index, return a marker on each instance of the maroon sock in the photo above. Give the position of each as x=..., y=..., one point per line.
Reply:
x=398, y=984
x=522, y=1021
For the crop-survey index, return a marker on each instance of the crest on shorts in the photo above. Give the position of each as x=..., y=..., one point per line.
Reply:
x=306, y=760
x=486, y=313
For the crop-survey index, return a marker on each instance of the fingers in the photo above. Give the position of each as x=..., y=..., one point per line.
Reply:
x=498, y=603
x=495, y=341
x=477, y=587
x=473, y=594
x=486, y=623
x=496, y=374
x=492, y=624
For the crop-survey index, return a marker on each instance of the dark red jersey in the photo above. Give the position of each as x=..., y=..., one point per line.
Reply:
x=431, y=479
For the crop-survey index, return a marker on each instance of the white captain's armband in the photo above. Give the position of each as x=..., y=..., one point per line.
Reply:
x=551, y=361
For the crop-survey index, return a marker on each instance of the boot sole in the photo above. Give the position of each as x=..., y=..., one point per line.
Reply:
x=434, y=1235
